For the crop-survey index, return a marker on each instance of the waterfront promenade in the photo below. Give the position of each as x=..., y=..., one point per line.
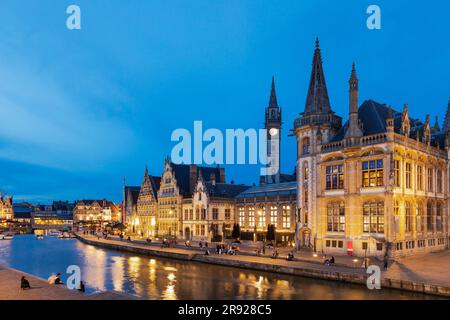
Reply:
x=41, y=290
x=413, y=274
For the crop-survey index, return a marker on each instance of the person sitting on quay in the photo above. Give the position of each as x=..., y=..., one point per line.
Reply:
x=149, y=240
x=386, y=262
x=329, y=262
x=55, y=279
x=290, y=256
x=200, y=244
x=24, y=283
x=187, y=243
x=275, y=254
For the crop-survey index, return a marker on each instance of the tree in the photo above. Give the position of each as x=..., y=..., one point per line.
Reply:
x=236, y=233
x=270, y=232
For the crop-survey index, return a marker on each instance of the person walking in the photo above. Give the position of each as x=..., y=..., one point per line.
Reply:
x=386, y=262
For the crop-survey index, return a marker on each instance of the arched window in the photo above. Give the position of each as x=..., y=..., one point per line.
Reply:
x=336, y=217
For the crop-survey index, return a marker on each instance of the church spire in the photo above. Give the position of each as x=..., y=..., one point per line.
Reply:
x=273, y=103
x=446, y=126
x=317, y=100
x=146, y=169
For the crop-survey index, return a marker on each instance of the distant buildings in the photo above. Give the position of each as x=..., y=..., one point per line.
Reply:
x=6, y=210
x=95, y=213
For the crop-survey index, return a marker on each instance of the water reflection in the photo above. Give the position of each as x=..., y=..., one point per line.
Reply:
x=155, y=278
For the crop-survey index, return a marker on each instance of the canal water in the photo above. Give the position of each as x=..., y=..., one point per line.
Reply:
x=156, y=278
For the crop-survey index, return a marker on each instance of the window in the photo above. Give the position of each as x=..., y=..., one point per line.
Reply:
x=373, y=217
x=305, y=146
x=430, y=224
x=379, y=247
x=251, y=217
x=430, y=180
x=439, y=181
x=261, y=218
x=286, y=217
x=397, y=173
x=203, y=230
x=438, y=217
x=273, y=215
x=372, y=173
x=408, y=175
x=419, y=219
x=336, y=217
x=335, y=177
x=408, y=217
x=241, y=217
x=203, y=214
x=227, y=214
x=215, y=213
x=419, y=178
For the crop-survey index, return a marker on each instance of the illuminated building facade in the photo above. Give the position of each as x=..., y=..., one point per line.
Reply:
x=377, y=184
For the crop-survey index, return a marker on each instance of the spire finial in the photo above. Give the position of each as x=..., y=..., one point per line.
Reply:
x=353, y=75
x=317, y=43
x=273, y=103
x=146, y=169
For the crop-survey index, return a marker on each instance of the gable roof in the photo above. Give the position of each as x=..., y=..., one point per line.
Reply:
x=186, y=182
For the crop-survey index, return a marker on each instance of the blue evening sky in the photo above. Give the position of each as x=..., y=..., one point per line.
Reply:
x=81, y=109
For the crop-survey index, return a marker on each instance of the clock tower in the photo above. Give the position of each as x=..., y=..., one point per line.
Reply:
x=273, y=131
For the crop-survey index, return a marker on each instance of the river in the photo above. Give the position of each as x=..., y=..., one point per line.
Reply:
x=157, y=278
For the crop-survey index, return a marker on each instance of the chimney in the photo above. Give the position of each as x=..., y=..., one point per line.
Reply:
x=222, y=175
x=262, y=180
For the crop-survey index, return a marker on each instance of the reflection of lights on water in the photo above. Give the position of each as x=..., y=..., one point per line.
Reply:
x=118, y=273
x=171, y=277
x=171, y=269
x=152, y=262
x=169, y=293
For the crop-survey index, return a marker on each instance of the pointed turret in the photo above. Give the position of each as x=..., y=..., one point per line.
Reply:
x=390, y=119
x=353, y=123
x=273, y=96
x=406, y=125
x=446, y=126
x=317, y=100
x=436, y=127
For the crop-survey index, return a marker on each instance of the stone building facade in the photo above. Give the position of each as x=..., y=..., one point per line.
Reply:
x=377, y=184
x=147, y=206
x=210, y=214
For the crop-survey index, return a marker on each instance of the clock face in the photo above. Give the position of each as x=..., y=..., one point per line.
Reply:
x=273, y=132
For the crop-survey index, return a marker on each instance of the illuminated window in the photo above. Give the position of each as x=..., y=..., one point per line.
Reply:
x=419, y=178
x=334, y=177
x=286, y=217
x=241, y=217
x=373, y=217
x=261, y=218
x=251, y=217
x=408, y=217
x=430, y=218
x=397, y=173
x=430, y=179
x=372, y=173
x=408, y=175
x=273, y=215
x=336, y=217
x=420, y=221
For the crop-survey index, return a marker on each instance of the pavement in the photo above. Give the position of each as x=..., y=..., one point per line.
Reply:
x=41, y=290
x=428, y=269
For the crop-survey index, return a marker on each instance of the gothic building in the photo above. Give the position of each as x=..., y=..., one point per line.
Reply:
x=210, y=215
x=6, y=210
x=377, y=184
x=178, y=183
x=147, y=206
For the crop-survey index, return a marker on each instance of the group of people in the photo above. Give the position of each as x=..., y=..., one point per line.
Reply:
x=329, y=262
x=52, y=280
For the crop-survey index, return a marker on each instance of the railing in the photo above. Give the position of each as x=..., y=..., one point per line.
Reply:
x=355, y=142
